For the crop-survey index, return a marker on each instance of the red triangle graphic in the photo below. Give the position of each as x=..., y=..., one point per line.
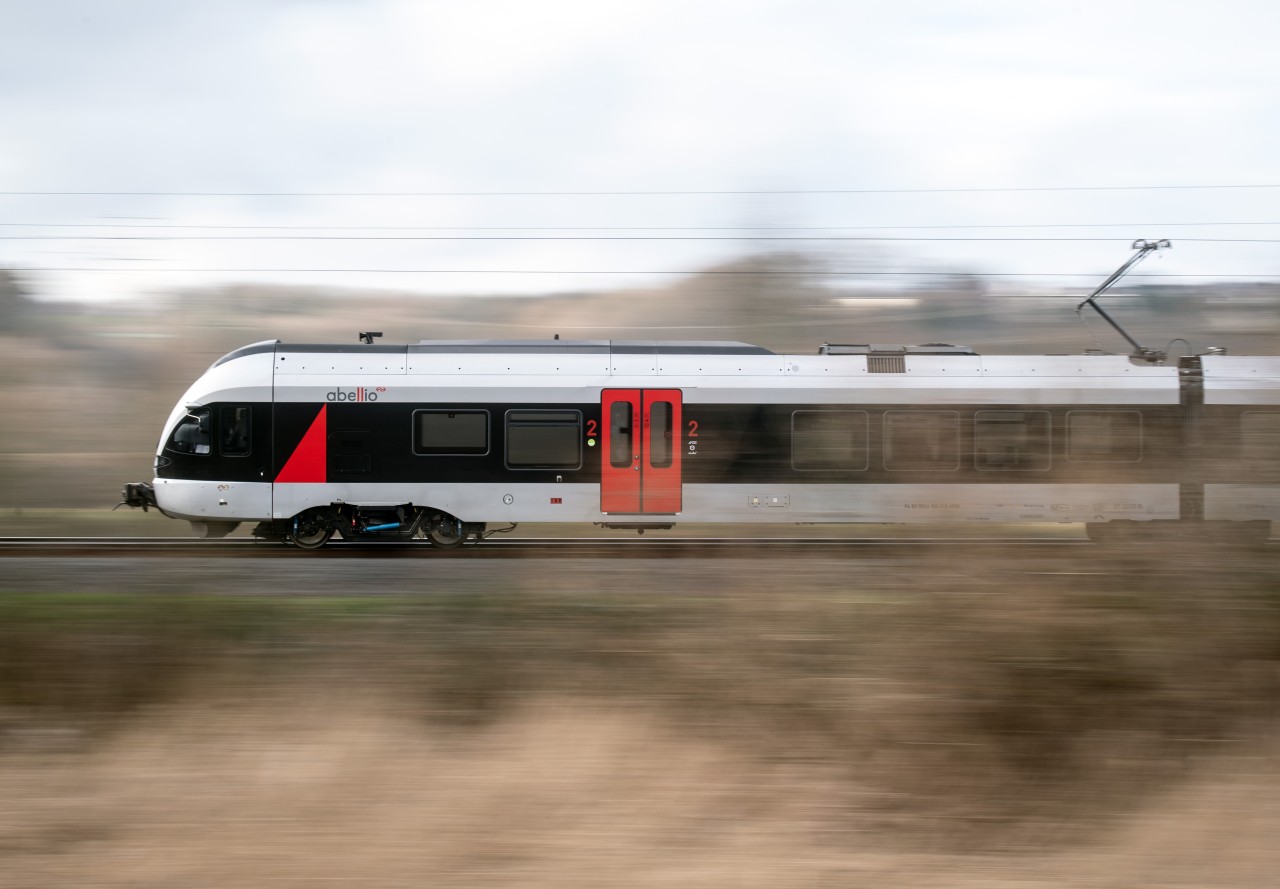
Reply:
x=307, y=462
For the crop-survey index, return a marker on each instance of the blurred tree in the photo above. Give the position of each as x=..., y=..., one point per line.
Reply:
x=15, y=307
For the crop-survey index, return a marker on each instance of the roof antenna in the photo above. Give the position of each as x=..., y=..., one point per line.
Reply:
x=367, y=337
x=1140, y=352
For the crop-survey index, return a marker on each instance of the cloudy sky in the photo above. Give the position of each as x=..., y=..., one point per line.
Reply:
x=505, y=146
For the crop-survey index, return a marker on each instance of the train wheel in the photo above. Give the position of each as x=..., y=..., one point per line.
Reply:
x=311, y=530
x=446, y=532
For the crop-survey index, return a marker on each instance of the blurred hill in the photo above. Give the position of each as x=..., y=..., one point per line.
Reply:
x=84, y=388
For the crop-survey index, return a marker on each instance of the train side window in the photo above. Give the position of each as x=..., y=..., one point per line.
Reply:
x=234, y=423
x=1104, y=436
x=922, y=440
x=660, y=434
x=192, y=435
x=544, y=439
x=1260, y=437
x=438, y=433
x=829, y=440
x=1014, y=440
x=620, y=433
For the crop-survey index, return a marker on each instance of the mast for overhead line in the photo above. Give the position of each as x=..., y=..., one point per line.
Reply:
x=1140, y=352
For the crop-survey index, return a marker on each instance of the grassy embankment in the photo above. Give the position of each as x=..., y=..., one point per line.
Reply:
x=992, y=726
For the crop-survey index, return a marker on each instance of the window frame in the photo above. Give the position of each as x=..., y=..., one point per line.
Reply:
x=866, y=441
x=508, y=426
x=887, y=438
x=1045, y=451
x=193, y=414
x=471, y=452
x=1141, y=437
x=223, y=427
x=620, y=457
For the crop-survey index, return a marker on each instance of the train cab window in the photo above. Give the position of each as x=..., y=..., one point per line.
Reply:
x=829, y=440
x=922, y=440
x=1260, y=437
x=192, y=435
x=544, y=439
x=451, y=433
x=620, y=447
x=1104, y=436
x=660, y=434
x=234, y=435
x=1011, y=440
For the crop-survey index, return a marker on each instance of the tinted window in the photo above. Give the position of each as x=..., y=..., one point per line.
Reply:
x=464, y=433
x=235, y=435
x=191, y=435
x=829, y=440
x=921, y=440
x=1104, y=436
x=1016, y=440
x=620, y=453
x=660, y=434
x=544, y=439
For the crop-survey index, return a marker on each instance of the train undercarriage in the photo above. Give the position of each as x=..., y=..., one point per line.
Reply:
x=313, y=528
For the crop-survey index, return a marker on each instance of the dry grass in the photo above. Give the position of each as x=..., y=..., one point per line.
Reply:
x=970, y=732
x=321, y=789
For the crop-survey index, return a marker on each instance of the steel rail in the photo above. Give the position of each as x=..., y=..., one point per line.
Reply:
x=505, y=548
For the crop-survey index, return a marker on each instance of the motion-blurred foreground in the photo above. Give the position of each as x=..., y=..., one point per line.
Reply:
x=925, y=720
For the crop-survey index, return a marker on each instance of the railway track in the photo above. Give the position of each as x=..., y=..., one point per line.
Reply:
x=516, y=548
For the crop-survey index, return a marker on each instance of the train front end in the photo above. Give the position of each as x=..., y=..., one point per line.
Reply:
x=213, y=460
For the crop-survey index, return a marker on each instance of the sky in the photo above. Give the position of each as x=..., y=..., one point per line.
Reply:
x=498, y=146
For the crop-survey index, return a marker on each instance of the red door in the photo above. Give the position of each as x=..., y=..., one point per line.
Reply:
x=640, y=466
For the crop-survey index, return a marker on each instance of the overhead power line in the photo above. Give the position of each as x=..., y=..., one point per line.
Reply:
x=764, y=238
x=623, y=228
x=812, y=273
x=631, y=193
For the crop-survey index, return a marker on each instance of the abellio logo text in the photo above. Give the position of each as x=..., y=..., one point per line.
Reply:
x=360, y=393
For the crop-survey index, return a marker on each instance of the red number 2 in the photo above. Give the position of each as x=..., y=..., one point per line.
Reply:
x=693, y=428
x=591, y=428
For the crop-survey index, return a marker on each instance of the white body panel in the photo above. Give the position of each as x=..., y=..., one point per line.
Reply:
x=1244, y=380
x=765, y=504
x=214, y=501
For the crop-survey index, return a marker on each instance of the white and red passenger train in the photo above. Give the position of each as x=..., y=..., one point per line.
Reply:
x=449, y=440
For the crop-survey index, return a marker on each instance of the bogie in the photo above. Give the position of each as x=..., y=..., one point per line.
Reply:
x=313, y=528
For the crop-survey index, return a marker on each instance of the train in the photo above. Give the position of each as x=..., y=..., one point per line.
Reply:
x=453, y=440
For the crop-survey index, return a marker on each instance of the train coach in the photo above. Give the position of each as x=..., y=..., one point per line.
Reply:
x=452, y=440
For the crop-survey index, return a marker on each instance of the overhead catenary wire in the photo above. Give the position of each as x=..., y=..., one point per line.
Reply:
x=735, y=238
x=812, y=272
x=649, y=228
x=644, y=193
